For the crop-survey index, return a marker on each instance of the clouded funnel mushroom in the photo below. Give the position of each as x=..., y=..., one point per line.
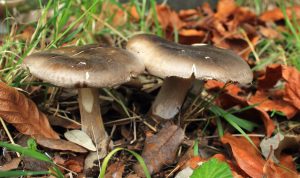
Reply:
x=86, y=68
x=177, y=63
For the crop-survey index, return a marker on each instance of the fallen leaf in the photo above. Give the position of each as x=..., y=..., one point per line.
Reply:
x=133, y=176
x=267, y=102
x=288, y=162
x=59, y=144
x=268, y=145
x=160, y=149
x=168, y=18
x=12, y=164
x=75, y=164
x=187, y=13
x=207, y=9
x=269, y=32
x=249, y=160
x=65, y=123
x=270, y=169
x=22, y=113
x=80, y=138
x=115, y=170
x=276, y=14
x=32, y=164
x=292, y=86
x=225, y=8
x=186, y=172
x=270, y=78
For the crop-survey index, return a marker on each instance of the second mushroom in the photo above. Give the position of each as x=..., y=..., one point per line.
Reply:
x=180, y=64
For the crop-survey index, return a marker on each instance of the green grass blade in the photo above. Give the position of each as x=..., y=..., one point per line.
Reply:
x=26, y=151
x=228, y=117
x=137, y=156
x=23, y=173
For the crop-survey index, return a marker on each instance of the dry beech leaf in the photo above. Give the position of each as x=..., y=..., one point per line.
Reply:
x=269, y=32
x=292, y=86
x=80, y=138
x=12, y=164
x=160, y=149
x=268, y=145
x=276, y=14
x=75, y=164
x=270, y=78
x=249, y=160
x=168, y=18
x=59, y=144
x=275, y=103
x=21, y=112
x=115, y=170
x=225, y=8
x=270, y=169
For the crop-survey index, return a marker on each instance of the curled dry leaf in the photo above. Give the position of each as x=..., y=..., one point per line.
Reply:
x=270, y=78
x=168, y=18
x=80, y=138
x=160, y=149
x=276, y=14
x=292, y=86
x=75, y=164
x=115, y=170
x=249, y=160
x=12, y=164
x=270, y=169
x=225, y=8
x=22, y=113
x=267, y=102
x=59, y=144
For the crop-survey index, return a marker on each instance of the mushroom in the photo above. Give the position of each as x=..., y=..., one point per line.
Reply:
x=178, y=64
x=86, y=68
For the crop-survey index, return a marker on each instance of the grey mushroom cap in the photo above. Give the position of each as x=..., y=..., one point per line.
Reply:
x=164, y=58
x=84, y=66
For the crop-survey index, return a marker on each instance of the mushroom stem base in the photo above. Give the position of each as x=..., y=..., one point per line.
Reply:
x=91, y=119
x=170, y=97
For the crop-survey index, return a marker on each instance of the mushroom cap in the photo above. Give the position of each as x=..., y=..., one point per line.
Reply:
x=164, y=58
x=84, y=66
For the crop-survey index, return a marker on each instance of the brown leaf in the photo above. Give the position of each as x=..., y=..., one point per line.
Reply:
x=276, y=14
x=115, y=170
x=225, y=8
x=168, y=18
x=207, y=9
x=268, y=103
x=292, y=86
x=187, y=13
x=23, y=113
x=59, y=144
x=249, y=160
x=34, y=164
x=288, y=162
x=270, y=169
x=269, y=32
x=75, y=164
x=272, y=75
x=12, y=164
x=160, y=149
